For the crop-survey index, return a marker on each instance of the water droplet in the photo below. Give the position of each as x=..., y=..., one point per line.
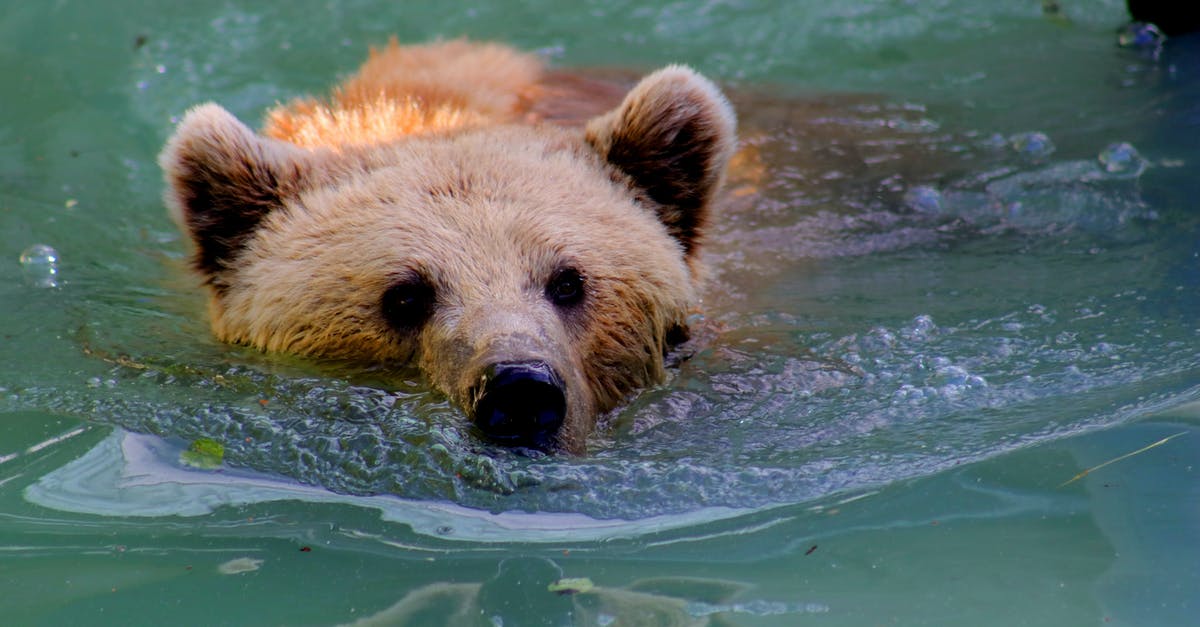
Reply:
x=1122, y=158
x=1034, y=144
x=1140, y=35
x=923, y=199
x=39, y=264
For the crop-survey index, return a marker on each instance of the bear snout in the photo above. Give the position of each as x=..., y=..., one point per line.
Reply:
x=520, y=404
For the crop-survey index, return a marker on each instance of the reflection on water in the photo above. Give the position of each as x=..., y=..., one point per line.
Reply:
x=899, y=284
x=522, y=593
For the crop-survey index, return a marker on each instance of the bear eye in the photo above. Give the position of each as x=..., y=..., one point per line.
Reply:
x=408, y=303
x=565, y=287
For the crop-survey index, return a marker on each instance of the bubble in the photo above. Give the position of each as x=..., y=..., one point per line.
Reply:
x=923, y=199
x=951, y=375
x=1140, y=35
x=1034, y=144
x=1123, y=159
x=878, y=340
x=39, y=264
x=921, y=328
x=995, y=141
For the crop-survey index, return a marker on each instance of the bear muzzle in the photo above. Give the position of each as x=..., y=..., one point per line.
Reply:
x=520, y=404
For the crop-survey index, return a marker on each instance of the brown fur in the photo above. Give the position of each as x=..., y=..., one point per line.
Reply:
x=429, y=163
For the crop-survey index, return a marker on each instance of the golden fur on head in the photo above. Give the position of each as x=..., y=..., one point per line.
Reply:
x=407, y=90
x=302, y=242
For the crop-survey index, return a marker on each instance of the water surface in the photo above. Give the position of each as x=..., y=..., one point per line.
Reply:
x=939, y=292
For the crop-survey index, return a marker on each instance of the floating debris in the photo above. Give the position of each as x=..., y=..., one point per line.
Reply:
x=239, y=565
x=1120, y=458
x=1053, y=11
x=204, y=453
x=572, y=585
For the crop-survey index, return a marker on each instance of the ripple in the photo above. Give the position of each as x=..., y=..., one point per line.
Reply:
x=797, y=420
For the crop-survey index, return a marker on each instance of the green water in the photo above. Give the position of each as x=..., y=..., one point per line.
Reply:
x=878, y=432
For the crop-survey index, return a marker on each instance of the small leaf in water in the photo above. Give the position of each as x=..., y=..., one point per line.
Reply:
x=572, y=585
x=204, y=453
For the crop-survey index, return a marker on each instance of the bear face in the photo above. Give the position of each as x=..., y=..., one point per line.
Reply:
x=536, y=275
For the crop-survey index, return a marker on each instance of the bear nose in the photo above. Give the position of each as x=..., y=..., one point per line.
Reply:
x=521, y=404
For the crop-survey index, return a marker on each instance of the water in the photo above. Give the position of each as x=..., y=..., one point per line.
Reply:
x=958, y=267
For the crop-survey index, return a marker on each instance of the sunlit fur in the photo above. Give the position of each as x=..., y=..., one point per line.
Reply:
x=407, y=90
x=297, y=240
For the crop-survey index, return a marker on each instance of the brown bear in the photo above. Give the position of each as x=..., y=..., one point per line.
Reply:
x=440, y=209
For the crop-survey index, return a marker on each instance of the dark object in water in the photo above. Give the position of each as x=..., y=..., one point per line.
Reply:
x=1172, y=17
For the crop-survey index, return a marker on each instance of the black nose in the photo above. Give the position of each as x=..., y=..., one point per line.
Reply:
x=521, y=403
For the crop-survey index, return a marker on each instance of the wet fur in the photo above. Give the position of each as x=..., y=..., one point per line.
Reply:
x=434, y=162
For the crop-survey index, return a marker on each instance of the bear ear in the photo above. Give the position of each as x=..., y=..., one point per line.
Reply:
x=222, y=180
x=673, y=135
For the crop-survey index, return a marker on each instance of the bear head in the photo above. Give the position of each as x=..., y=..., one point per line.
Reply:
x=536, y=275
